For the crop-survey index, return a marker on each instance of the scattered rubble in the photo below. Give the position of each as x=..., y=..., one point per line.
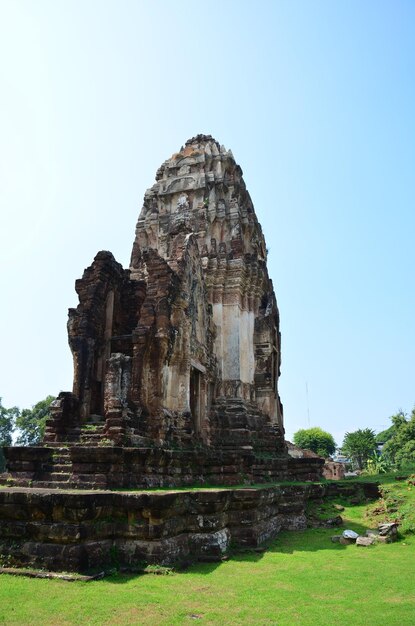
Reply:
x=386, y=533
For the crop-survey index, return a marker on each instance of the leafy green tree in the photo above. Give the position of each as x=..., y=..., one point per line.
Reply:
x=385, y=435
x=7, y=419
x=359, y=446
x=31, y=423
x=377, y=464
x=400, y=449
x=315, y=439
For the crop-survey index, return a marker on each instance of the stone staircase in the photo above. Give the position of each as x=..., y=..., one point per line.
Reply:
x=238, y=423
x=91, y=435
x=58, y=472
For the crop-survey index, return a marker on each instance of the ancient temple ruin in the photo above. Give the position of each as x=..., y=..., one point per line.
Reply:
x=176, y=359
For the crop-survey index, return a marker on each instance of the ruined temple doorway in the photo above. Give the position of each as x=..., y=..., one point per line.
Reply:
x=195, y=408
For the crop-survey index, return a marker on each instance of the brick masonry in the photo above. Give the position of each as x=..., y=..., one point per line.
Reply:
x=76, y=531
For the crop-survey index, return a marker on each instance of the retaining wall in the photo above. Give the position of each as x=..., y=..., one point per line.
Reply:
x=74, y=531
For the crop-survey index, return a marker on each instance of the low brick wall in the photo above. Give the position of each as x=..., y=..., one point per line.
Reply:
x=75, y=531
x=115, y=467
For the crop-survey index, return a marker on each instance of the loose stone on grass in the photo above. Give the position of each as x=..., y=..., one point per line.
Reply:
x=334, y=521
x=350, y=534
x=365, y=541
x=388, y=529
x=346, y=541
x=381, y=539
x=348, y=537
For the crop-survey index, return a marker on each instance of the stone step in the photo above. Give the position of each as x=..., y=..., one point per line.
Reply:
x=92, y=428
x=95, y=429
x=94, y=440
x=58, y=457
x=51, y=484
x=56, y=476
x=66, y=461
x=60, y=467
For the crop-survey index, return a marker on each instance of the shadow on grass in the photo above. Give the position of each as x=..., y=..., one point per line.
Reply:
x=252, y=555
x=312, y=539
x=286, y=542
x=123, y=577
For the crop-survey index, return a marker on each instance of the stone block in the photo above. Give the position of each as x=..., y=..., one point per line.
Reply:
x=214, y=544
x=346, y=541
x=365, y=541
x=388, y=529
x=384, y=539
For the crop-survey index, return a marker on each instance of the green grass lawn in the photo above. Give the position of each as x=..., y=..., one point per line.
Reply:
x=302, y=579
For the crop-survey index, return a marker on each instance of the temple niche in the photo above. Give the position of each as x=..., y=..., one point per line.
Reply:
x=184, y=346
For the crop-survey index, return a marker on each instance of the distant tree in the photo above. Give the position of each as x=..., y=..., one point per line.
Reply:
x=359, y=446
x=7, y=420
x=400, y=449
x=315, y=439
x=386, y=434
x=31, y=423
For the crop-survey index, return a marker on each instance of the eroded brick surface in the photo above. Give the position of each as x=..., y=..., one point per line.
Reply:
x=58, y=530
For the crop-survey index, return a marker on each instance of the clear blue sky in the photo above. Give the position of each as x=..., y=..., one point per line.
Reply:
x=315, y=99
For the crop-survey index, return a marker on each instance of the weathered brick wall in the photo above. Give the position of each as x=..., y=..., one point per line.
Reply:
x=71, y=531
x=112, y=467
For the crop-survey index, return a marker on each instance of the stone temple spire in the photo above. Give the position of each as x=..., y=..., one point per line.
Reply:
x=200, y=193
x=200, y=190
x=185, y=345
